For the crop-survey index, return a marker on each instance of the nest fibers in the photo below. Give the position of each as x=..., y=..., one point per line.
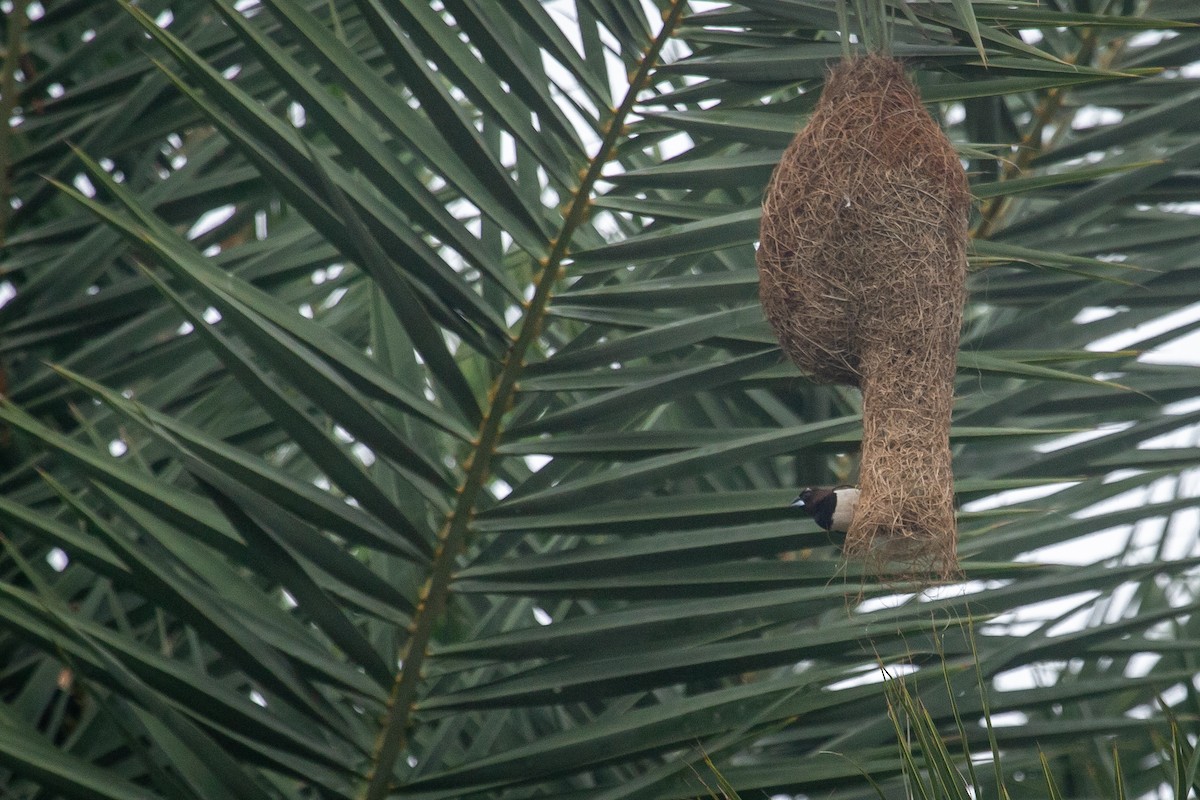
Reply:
x=862, y=266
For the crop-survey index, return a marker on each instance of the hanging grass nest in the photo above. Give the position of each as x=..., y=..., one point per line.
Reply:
x=862, y=266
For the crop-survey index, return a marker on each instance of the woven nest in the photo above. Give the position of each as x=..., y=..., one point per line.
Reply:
x=862, y=266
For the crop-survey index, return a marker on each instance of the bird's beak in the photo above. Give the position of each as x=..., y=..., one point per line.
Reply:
x=798, y=502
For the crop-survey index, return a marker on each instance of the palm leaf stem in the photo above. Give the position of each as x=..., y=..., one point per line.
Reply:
x=455, y=530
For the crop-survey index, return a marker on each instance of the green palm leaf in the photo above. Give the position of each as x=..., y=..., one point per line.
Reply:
x=390, y=411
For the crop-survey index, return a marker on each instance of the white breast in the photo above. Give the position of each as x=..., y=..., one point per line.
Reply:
x=843, y=513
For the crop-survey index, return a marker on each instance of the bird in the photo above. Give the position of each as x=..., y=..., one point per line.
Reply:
x=832, y=509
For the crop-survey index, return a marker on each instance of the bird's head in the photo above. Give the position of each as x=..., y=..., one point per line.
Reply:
x=809, y=498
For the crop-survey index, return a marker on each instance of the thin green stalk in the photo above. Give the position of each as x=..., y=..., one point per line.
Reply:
x=844, y=27
x=1052, y=790
x=8, y=102
x=955, y=712
x=982, y=685
x=455, y=531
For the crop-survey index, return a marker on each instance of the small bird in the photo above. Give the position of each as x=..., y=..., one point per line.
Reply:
x=832, y=509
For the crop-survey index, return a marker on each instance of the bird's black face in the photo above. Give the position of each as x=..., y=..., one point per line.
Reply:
x=804, y=500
